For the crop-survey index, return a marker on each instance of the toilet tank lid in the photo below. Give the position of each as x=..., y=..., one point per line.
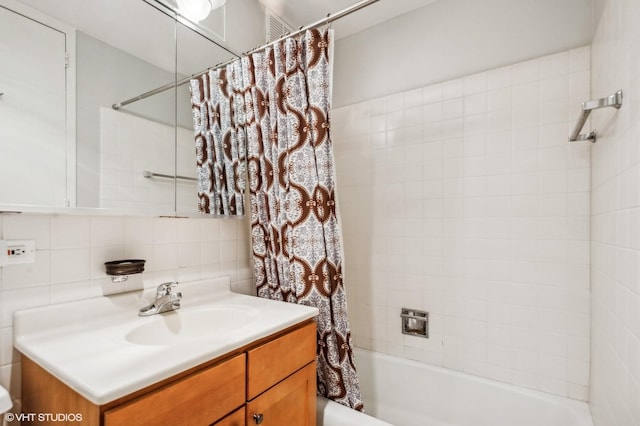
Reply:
x=5, y=400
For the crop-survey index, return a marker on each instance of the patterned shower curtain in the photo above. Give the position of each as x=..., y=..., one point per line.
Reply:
x=218, y=119
x=295, y=233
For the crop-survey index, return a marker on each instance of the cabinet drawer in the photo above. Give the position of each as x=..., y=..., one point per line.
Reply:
x=270, y=363
x=199, y=399
x=290, y=402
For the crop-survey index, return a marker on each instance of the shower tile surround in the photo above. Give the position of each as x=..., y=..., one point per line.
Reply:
x=464, y=199
x=70, y=256
x=615, y=220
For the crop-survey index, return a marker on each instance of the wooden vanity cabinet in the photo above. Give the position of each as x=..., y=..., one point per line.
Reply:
x=271, y=382
x=199, y=399
x=290, y=402
x=237, y=418
x=281, y=380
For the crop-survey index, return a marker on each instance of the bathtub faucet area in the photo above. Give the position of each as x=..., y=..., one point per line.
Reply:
x=166, y=300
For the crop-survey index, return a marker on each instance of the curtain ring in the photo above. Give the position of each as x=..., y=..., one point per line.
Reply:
x=330, y=23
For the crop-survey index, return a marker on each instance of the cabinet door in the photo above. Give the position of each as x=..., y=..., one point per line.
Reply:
x=290, y=402
x=269, y=363
x=199, y=399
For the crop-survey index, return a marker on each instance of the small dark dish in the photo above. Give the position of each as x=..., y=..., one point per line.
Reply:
x=125, y=267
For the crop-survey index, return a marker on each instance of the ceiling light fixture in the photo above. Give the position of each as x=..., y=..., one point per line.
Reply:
x=196, y=10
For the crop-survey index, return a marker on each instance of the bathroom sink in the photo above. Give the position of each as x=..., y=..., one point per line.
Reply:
x=188, y=325
x=104, y=350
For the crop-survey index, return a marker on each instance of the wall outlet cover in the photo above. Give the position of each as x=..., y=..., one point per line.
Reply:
x=14, y=252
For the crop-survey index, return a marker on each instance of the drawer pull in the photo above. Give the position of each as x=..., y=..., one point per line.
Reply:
x=258, y=418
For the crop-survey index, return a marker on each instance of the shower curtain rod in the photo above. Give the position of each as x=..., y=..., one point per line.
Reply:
x=329, y=19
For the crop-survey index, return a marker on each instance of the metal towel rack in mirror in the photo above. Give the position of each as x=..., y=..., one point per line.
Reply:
x=150, y=175
x=614, y=100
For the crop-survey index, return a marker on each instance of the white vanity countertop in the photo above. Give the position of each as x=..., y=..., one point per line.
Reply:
x=84, y=343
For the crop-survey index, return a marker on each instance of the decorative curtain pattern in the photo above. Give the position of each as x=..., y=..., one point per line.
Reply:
x=218, y=121
x=295, y=233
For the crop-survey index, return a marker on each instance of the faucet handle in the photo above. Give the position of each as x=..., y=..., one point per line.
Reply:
x=165, y=288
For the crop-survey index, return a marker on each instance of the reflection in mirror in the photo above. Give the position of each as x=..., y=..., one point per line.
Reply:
x=34, y=133
x=222, y=195
x=89, y=155
x=114, y=146
x=191, y=64
x=219, y=120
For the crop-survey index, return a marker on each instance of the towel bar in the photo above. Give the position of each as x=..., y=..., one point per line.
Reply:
x=149, y=174
x=614, y=100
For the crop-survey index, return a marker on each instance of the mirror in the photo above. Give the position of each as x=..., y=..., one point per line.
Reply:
x=62, y=145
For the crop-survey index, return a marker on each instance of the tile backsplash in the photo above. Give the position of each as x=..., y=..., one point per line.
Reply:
x=464, y=199
x=70, y=256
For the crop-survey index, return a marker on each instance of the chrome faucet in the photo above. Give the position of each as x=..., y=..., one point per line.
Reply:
x=166, y=300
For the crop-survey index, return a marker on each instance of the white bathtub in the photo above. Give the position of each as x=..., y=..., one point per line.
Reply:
x=329, y=413
x=408, y=393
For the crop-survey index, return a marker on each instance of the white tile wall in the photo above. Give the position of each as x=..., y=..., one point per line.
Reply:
x=464, y=199
x=70, y=256
x=131, y=145
x=615, y=222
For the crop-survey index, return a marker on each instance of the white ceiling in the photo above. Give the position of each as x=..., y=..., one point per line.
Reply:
x=303, y=12
x=129, y=26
